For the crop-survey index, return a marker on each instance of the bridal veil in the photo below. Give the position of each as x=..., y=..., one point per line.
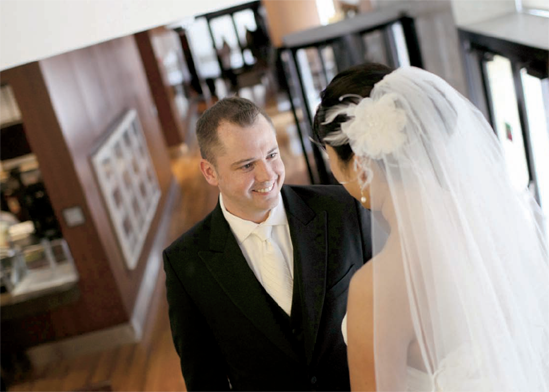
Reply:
x=472, y=271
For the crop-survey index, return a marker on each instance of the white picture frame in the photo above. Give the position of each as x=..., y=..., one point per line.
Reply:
x=128, y=183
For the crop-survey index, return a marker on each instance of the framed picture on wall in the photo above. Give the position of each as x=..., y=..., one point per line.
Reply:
x=128, y=183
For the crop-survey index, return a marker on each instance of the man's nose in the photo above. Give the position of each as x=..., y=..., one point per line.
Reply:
x=264, y=172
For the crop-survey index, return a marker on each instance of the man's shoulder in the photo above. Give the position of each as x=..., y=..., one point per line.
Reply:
x=322, y=192
x=196, y=237
x=332, y=199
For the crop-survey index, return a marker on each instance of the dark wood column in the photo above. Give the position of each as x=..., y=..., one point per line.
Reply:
x=162, y=93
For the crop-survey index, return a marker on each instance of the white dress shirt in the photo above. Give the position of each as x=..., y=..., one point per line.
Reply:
x=250, y=244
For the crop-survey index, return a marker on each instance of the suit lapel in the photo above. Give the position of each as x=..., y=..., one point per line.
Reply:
x=308, y=233
x=227, y=264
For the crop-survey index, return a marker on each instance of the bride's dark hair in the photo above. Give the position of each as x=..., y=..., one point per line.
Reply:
x=351, y=83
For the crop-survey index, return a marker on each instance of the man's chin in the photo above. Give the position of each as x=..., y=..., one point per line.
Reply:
x=269, y=200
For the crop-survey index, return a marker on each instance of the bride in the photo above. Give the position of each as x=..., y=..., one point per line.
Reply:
x=456, y=297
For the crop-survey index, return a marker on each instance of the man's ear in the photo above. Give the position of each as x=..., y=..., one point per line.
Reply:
x=209, y=173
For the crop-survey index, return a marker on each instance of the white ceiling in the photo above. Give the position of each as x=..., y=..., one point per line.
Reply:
x=32, y=30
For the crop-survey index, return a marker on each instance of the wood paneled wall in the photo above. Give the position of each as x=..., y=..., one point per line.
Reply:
x=68, y=103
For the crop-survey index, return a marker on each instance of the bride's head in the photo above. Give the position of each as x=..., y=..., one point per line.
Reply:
x=380, y=126
x=349, y=87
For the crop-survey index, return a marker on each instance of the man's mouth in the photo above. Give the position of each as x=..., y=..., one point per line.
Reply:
x=265, y=190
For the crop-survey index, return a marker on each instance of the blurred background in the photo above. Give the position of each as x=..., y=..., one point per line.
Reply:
x=99, y=160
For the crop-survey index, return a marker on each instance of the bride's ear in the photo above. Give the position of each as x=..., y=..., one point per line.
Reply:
x=362, y=174
x=370, y=170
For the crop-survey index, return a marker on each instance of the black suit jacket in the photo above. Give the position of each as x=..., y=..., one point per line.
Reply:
x=223, y=326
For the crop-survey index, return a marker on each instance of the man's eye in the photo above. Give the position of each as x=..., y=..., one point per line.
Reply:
x=246, y=166
x=273, y=155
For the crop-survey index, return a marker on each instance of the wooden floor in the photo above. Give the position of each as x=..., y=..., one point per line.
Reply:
x=152, y=364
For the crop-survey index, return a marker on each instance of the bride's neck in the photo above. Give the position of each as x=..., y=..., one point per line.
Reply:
x=389, y=214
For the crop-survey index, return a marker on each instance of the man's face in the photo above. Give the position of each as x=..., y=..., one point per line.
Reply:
x=249, y=171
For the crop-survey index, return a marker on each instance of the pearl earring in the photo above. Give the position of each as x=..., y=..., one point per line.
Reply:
x=362, y=198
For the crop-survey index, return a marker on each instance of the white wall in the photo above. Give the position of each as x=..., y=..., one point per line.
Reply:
x=31, y=30
x=469, y=11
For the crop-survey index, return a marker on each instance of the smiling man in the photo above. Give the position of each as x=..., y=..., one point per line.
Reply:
x=245, y=163
x=258, y=289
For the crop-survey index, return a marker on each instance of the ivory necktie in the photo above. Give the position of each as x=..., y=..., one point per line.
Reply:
x=275, y=273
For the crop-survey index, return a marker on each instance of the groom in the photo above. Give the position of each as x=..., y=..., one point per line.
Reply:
x=258, y=289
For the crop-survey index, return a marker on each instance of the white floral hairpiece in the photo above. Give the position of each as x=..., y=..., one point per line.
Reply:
x=375, y=127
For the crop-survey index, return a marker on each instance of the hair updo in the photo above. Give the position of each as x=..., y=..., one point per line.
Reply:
x=351, y=83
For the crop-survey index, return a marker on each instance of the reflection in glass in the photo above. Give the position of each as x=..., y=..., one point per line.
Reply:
x=107, y=167
x=118, y=150
x=311, y=74
x=127, y=179
x=506, y=119
x=223, y=32
x=203, y=50
x=328, y=57
x=244, y=20
x=117, y=197
x=135, y=165
x=376, y=51
x=136, y=208
x=537, y=107
x=135, y=132
x=143, y=190
x=59, y=250
x=127, y=139
x=132, y=240
x=127, y=226
x=400, y=43
x=35, y=257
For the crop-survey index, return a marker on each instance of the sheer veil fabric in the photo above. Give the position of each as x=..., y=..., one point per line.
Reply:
x=461, y=286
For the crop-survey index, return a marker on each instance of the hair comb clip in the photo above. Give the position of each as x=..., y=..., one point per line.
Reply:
x=349, y=95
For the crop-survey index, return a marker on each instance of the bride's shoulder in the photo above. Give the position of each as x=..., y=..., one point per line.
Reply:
x=362, y=280
x=361, y=295
x=361, y=283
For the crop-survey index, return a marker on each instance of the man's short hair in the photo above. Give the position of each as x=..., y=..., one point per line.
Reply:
x=234, y=110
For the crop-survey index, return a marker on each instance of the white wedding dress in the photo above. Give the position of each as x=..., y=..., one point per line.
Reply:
x=455, y=374
x=417, y=380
